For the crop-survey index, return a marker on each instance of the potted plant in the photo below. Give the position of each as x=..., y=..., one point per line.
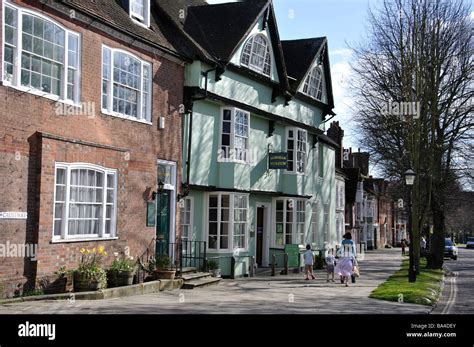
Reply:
x=62, y=283
x=213, y=266
x=163, y=267
x=121, y=272
x=90, y=275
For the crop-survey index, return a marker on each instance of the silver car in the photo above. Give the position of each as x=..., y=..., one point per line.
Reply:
x=450, y=249
x=470, y=242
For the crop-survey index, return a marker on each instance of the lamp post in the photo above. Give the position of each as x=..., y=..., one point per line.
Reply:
x=410, y=180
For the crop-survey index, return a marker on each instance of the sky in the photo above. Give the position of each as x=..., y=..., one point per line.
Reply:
x=343, y=22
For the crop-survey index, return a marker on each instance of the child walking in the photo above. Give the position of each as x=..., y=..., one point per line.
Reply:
x=330, y=263
x=308, y=262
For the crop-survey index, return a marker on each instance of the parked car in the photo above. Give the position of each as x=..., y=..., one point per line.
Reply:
x=470, y=242
x=450, y=249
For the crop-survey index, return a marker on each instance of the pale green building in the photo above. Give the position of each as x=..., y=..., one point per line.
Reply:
x=248, y=95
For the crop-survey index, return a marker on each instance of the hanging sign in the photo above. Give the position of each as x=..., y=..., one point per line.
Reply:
x=278, y=161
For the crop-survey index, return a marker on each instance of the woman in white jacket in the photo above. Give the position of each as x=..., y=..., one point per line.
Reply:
x=347, y=256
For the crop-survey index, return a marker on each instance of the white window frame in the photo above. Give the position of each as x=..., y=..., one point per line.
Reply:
x=64, y=237
x=110, y=85
x=267, y=59
x=17, y=57
x=191, y=216
x=230, y=156
x=137, y=17
x=294, y=222
x=230, y=235
x=311, y=78
x=314, y=222
x=326, y=225
x=295, y=150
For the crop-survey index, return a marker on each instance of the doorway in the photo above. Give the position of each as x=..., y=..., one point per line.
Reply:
x=262, y=234
x=163, y=217
x=166, y=208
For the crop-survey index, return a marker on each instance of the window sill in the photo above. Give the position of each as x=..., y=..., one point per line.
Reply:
x=132, y=119
x=86, y=239
x=39, y=93
x=226, y=251
x=295, y=173
x=233, y=161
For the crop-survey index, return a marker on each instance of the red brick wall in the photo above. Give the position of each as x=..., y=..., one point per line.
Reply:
x=27, y=161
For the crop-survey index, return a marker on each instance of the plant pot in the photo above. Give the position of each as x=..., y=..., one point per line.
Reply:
x=216, y=273
x=60, y=285
x=125, y=278
x=162, y=274
x=82, y=284
x=112, y=279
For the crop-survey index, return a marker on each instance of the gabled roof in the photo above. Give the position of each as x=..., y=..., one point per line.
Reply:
x=299, y=57
x=220, y=28
x=217, y=30
x=114, y=14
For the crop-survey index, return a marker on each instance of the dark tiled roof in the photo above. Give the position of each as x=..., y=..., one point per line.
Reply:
x=176, y=11
x=299, y=54
x=113, y=13
x=220, y=28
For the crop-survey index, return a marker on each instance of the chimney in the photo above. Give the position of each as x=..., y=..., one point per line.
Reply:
x=336, y=134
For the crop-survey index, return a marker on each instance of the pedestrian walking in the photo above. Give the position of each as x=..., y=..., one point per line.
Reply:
x=344, y=267
x=423, y=246
x=403, y=245
x=308, y=262
x=330, y=264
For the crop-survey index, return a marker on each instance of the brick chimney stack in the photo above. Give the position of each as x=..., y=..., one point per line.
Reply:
x=336, y=134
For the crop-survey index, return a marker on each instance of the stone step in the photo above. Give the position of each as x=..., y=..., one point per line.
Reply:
x=189, y=270
x=201, y=282
x=194, y=276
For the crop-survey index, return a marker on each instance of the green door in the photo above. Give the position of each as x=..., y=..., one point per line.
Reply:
x=163, y=219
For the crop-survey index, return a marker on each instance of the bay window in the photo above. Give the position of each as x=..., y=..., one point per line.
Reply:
x=290, y=218
x=126, y=85
x=40, y=55
x=297, y=149
x=234, y=139
x=227, y=221
x=85, y=202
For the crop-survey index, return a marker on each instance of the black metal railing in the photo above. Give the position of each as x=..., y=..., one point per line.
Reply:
x=183, y=253
x=193, y=254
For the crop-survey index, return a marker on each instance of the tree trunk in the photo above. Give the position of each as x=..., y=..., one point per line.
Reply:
x=436, y=255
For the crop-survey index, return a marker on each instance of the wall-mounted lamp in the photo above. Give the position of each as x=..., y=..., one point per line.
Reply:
x=161, y=187
x=184, y=192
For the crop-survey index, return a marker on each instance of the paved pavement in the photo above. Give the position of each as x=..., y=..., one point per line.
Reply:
x=262, y=295
x=458, y=296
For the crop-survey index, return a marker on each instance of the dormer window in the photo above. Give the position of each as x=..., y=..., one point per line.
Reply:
x=140, y=11
x=313, y=86
x=256, y=55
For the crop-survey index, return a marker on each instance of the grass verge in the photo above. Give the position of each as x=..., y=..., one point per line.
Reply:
x=424, y=291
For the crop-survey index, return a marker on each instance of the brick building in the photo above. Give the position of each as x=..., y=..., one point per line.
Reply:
x=89, y=124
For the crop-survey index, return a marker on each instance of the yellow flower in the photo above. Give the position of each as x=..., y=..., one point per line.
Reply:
x=93, y=250
x=87, y=252
x=101, y=249
x=105, y=253
x=83, y=251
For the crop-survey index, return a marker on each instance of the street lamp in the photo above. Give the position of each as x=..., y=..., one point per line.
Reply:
x=410, y=180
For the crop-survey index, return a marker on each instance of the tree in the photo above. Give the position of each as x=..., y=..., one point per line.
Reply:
x=413, y=87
